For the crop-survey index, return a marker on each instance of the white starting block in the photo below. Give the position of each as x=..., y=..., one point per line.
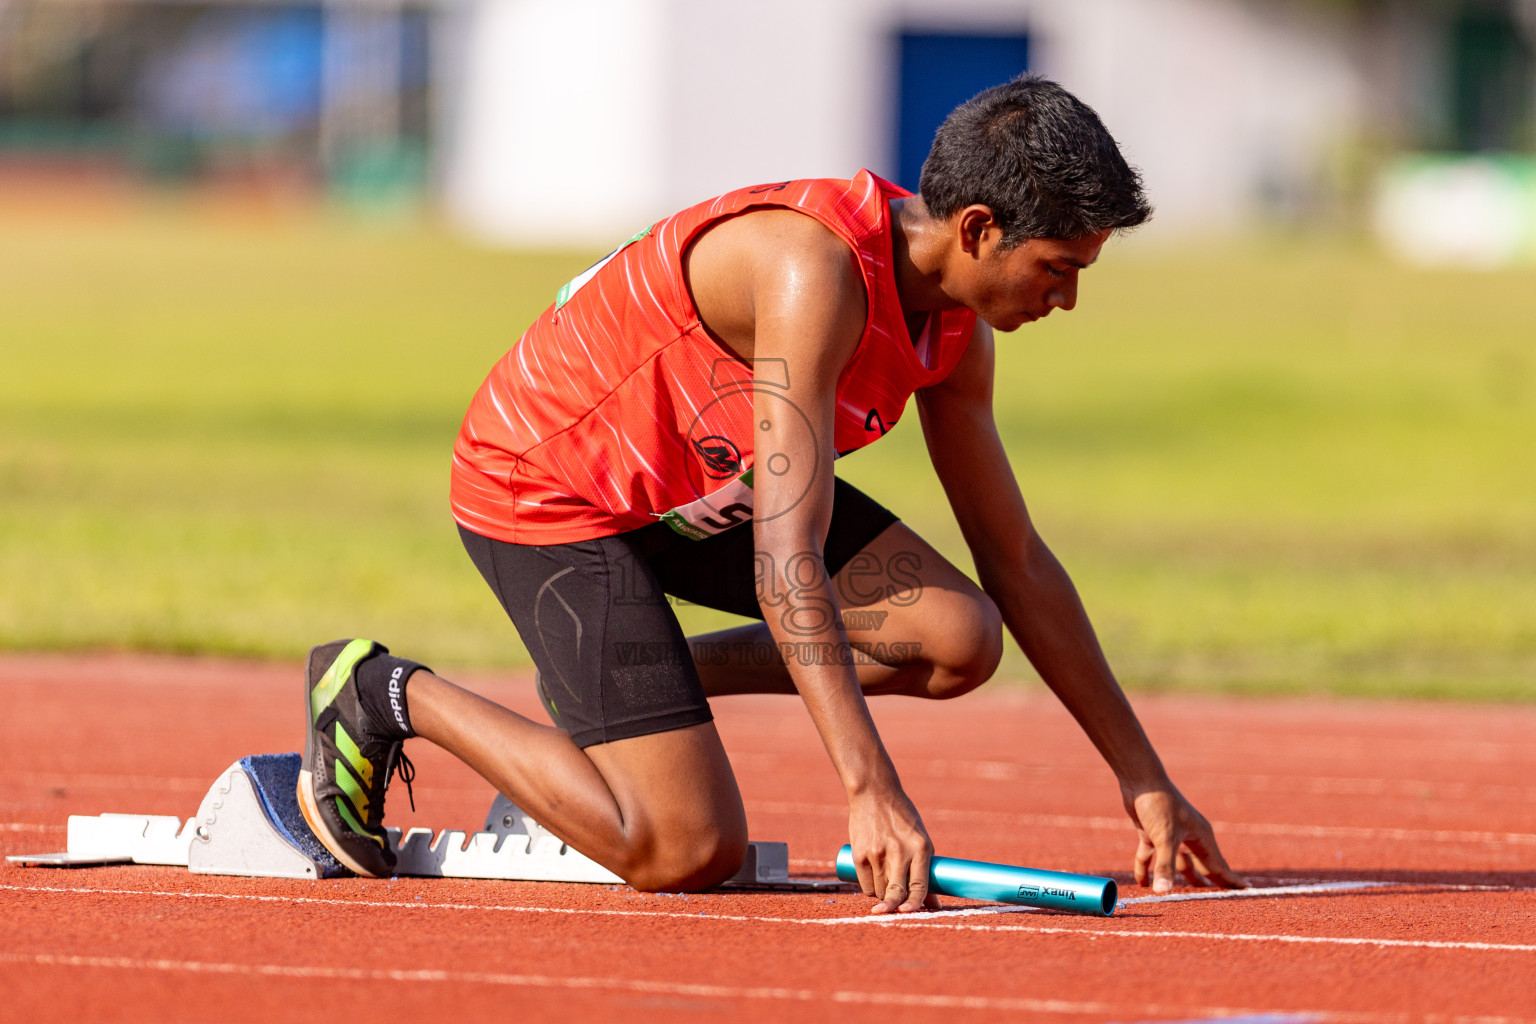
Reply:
x=249, y=824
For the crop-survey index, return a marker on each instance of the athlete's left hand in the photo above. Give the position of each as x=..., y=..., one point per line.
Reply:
x=1174, y=836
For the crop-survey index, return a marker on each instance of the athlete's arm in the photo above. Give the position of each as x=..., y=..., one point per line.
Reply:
x=808, y=307
x=1041, y=608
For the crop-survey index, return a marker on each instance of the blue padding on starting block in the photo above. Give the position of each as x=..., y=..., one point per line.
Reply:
x=275, y=777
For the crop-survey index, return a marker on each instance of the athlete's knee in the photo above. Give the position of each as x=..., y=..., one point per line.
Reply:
x=972, y=652
x=691, y=860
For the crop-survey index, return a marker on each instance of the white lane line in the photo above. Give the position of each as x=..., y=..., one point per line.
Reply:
x=169, y=783
x=1314, y=940
x=1301, y=889
x=138, y=783
x=551, y=981
x=1323, y=785
x=1319, y=785
x=1345, y=747
x=1357, y=832
x=1417, y=789
x=1173, y=897
x=986, y=771
x=1100, y=823
x=399, y=904
x=993, y=1004
x=940, y=919
x=1296, y=889
x=874, y=919
x=1403, y=883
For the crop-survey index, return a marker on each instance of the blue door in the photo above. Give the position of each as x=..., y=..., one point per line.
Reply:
x=938, y=73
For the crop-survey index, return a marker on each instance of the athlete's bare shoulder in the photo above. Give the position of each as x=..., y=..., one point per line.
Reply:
x=776, y=263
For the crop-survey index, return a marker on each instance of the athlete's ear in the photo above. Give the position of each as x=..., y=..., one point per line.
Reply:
x=979, y=230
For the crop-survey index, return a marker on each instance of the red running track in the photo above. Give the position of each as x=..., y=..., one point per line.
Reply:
x=1402, y=835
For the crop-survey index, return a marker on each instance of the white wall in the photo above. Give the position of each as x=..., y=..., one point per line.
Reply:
x=1219, y=102
x=579, y=121
x=557, y=133
x=763, y=91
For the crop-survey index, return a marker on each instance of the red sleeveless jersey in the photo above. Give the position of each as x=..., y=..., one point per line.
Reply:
x=616, y=409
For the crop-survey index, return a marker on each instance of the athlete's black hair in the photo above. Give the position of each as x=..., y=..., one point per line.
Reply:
x=1039, y=157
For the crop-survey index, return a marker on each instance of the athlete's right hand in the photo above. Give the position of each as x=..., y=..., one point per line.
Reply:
x=891, y=851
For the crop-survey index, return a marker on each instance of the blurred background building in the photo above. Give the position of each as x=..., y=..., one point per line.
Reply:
x=574, y=121
x=296, y=96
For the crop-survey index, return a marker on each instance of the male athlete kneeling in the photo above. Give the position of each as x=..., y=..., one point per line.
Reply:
x=707, y=374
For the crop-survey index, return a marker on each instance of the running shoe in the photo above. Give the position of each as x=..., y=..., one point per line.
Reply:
x=348, y=761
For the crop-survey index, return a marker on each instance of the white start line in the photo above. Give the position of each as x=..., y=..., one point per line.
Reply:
x=990, y=1004
x=963, y=919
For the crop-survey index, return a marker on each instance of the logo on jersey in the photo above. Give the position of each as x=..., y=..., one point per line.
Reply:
x=748, y=397
x=721, y=457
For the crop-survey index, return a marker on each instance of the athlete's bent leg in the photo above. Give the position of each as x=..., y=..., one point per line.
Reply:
x=661, y=811
x=918, y=625
x=633, y=775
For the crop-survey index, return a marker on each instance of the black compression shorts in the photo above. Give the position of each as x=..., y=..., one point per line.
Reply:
x=613, y=663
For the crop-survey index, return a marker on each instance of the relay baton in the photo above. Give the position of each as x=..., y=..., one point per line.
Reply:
x=1004, y=883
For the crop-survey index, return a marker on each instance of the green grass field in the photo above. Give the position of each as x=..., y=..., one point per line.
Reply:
x=1276, y=467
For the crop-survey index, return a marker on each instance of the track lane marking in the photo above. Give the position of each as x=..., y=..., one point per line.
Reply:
x=139, y=783
x=1360, y=832
x=1298, y=889
x=1110, y=824
x=940, y=768
x=400, y=904
x=939, y=919
x=1323, y=940
x=1102, y=823
x=994, y=1004
x=1173, y=897
x=1358, y=746
x=1319, y=785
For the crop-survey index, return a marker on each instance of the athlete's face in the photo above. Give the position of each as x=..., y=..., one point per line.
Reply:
x=1011, y=287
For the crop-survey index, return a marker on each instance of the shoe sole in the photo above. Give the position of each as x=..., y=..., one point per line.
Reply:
x=311, y=811
x=309, y=807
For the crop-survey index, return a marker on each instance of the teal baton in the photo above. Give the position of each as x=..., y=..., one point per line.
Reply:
x=1005, y=883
